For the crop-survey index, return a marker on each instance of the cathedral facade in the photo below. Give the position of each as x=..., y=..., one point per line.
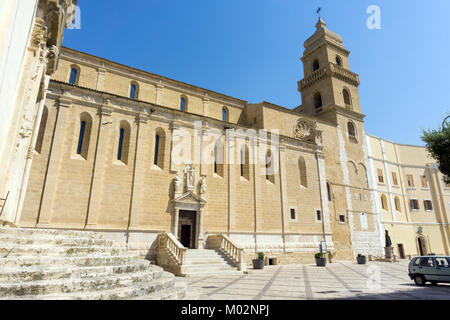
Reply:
x=270, y=178
x=133, y=154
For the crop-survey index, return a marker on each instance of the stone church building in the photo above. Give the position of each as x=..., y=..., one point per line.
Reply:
x=105, y=160
x=148, y=161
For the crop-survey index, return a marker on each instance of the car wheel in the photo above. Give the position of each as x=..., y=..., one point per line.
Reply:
x=419, y=280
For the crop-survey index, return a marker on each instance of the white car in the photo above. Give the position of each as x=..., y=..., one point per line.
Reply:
x=434, y=269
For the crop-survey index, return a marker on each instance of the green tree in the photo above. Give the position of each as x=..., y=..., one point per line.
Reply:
x=438, y=145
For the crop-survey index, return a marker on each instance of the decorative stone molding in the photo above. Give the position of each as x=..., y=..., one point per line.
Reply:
x=306, y=130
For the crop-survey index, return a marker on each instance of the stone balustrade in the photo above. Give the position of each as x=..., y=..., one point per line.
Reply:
x=331, y=69
x=225, y=245
x=171, y=254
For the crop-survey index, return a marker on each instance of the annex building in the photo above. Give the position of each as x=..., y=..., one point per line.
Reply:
x=105, y=158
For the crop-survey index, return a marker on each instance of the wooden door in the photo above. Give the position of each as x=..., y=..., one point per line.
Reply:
x=186, y=228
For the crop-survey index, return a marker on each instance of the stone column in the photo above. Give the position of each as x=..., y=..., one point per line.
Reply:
x=54, y=163
x=230, y=152
x=159, y=91
x=177, y=138
x=176, y=218
x=439, y=205
x=101, y=73
x=205, y=104
x=31, y=150
x=139, y=170
x=388, y=183
x=101, y=156
x=283, y=191
x=323, y=194
x=256, y=188
x=200, y=236
x=205, y=141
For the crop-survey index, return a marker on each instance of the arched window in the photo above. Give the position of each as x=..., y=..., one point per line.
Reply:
x=397, y=204
x=270, y=176
x=218, y=158
x=133, y=91
x=362, y=173
x=124, y=142
x=329, y=191
x=347, y=99
x=182, y=104
x=244, y=162
x=316, y=65
x=120, y=148
x=224, y=114
x=73, y=75
x=42, y=126
x=158, y=158
x=352, y=132
x=155, y=159
x=84, y=135
x=81, y=136
x=384, y=204
x=302, y=170
x=339, y=61
x=318, y=102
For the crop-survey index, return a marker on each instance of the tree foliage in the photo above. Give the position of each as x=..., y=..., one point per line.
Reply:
x=438, y=145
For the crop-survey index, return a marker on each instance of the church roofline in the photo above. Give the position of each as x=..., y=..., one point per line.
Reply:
x=66, y=49
x=399, y=144
x=292, y=111
x=209, y=119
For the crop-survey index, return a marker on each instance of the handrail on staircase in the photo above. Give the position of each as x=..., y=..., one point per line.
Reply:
x=4, y=203
x=224, y=244
x=173, y=246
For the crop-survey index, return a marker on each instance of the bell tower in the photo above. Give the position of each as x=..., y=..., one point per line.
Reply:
x=328, y=82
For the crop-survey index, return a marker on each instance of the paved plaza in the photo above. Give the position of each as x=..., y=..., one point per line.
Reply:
x=339, y=280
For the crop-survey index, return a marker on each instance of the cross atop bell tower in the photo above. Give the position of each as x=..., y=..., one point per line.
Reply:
x=328, y=82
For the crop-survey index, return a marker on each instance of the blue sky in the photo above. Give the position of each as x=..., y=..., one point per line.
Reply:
x=250, y=49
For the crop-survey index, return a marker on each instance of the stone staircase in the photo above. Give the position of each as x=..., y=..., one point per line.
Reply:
x=208, y=262
x=41, y=264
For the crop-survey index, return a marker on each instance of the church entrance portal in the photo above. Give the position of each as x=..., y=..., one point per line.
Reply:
x=186, y=228
x=422, y=246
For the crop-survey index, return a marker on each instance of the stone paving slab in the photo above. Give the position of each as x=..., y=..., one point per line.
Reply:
x=340, y=280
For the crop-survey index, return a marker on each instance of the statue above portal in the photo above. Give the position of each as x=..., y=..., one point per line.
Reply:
x=190, y=177
x=203, y=186
x=178, y=184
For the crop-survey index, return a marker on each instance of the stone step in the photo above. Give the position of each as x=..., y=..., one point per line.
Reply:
x=160, y=284
x=43, y=273
x=189, y=269
x=199, y=263
x=76, y=285
x=47, y=250
x=56, y=241
x=210, y=272
x=85, y=261
x=50, y=232
x=201, y=253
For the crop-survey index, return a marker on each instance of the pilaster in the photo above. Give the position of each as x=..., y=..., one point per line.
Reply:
x=101, y=158
x=283, y=192
x=139, y=170
x=230, y=143
x=54, y=162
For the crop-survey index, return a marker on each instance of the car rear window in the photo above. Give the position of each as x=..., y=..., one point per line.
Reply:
x=442, y=262
x=426, y=262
